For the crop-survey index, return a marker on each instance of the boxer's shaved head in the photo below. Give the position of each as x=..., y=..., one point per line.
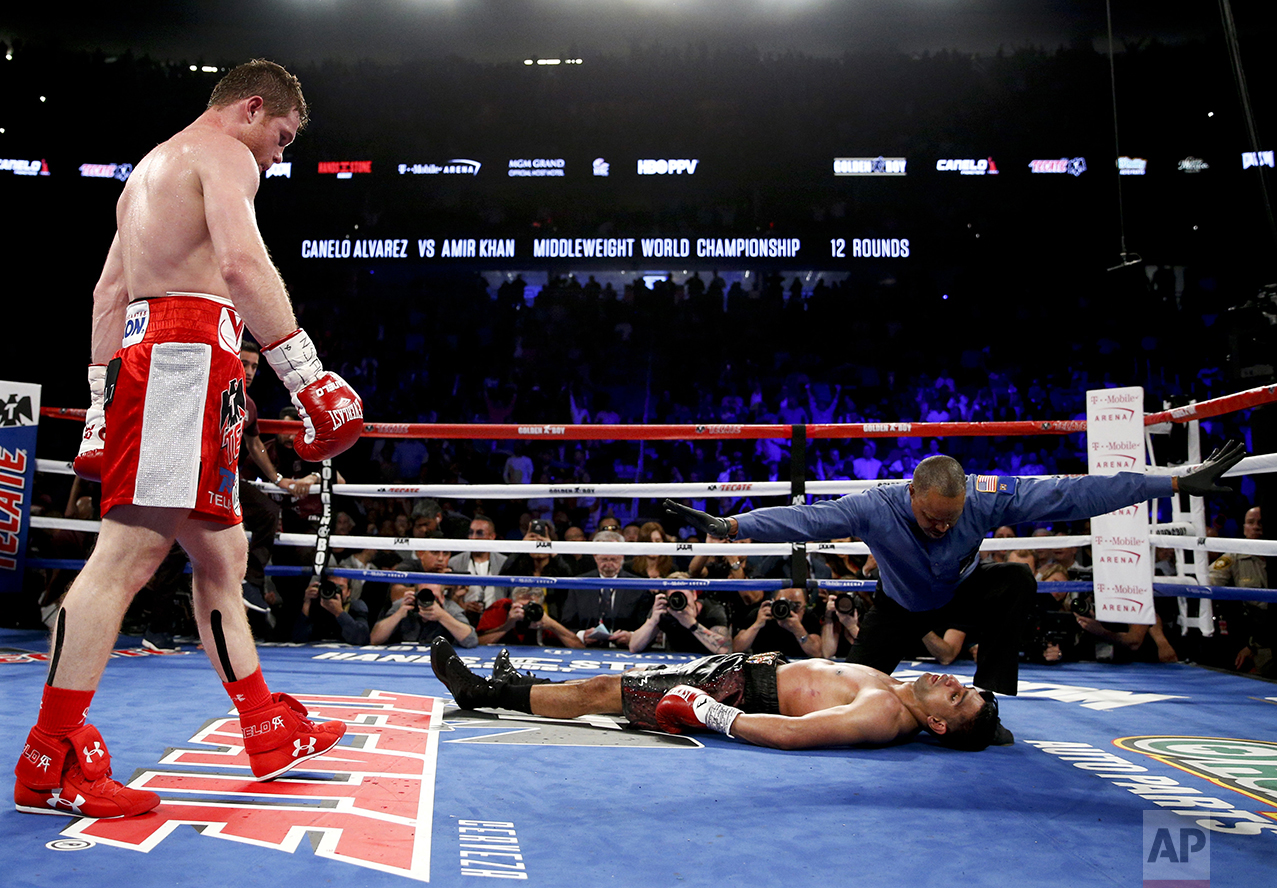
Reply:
x=937, y=494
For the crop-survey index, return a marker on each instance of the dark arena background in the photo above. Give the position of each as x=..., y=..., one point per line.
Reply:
x=715, y=216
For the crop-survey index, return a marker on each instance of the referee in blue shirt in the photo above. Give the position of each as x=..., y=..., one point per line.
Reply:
x=925, y=536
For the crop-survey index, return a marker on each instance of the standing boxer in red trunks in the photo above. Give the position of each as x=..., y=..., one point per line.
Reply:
x=186, y=271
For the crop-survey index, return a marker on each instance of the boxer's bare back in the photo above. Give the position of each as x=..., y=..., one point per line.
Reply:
x=186, y=223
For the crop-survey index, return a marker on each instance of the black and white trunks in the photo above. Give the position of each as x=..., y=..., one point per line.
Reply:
x=746, y=681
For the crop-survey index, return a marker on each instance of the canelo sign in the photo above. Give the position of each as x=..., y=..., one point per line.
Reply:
x=370, y=805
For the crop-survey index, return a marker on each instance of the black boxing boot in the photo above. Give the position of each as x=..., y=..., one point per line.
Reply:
x=503, y=670
x=469, y=690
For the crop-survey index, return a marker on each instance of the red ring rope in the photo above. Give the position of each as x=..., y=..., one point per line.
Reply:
x=1255, y=397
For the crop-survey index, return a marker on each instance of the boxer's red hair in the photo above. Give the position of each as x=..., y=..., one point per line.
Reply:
x=280, y=91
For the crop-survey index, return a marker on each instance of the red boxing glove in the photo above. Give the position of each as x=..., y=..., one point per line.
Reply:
x=687, y=707
x=330, y=409
x=88, y=462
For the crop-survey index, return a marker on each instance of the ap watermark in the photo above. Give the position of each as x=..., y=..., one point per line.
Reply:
x=1176, y=852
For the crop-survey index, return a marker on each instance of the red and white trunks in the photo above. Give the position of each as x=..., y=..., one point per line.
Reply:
x=175, y=408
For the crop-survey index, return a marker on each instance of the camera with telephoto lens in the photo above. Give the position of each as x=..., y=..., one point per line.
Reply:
x=329, y=589
x=845, y=603
x=425, y=599
x=782, y=608
x=1057, y=628
x=676, y=600
x=532, y=611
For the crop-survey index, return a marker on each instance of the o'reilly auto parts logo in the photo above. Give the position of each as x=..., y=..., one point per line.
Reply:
x=1248, y=767
x=1245, y=766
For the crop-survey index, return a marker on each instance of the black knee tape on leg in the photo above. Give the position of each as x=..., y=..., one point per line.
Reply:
x=59, y=635
x=516, y=697
x=219, y=638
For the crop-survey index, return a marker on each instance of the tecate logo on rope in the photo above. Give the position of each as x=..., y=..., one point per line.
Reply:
x=730, y=488
x=719, y=429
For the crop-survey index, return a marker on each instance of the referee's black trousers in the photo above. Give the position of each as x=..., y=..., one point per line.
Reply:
x=995, y=596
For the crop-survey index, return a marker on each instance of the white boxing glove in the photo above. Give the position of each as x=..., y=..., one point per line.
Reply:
x=88, y=462
x=330, y=409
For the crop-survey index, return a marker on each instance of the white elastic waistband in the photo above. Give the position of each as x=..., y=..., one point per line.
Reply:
x=221, y=300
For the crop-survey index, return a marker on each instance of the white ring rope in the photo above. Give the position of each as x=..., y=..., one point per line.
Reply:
x=1259, y=464
x=679, y=490
x=1266, y=548
x=413, y=544
x=1251, y=465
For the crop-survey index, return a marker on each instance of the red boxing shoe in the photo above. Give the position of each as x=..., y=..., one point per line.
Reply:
x=76, y=785
x=278, y=736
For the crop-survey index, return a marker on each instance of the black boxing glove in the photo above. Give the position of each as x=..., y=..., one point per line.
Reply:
x=702, y=521
x=1203, y=479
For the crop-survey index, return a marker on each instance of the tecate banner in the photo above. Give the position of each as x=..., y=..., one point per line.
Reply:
x=19, y=416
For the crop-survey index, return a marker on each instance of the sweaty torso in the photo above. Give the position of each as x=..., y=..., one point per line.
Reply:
x=160, y=216
x=812, y=685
